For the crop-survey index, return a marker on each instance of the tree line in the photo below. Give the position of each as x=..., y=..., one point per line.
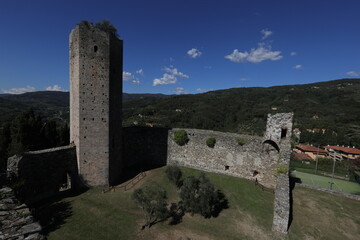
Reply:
x=29, y=132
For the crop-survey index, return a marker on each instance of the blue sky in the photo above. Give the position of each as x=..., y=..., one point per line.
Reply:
x=186, y=46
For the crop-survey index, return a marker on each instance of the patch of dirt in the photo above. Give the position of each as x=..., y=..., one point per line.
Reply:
x=153, y=233
x=247, y=226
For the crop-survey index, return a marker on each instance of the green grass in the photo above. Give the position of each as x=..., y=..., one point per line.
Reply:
x=324, y=182
x=113, y=215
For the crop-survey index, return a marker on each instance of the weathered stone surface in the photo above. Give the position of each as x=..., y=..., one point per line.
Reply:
x=16, y=221
x=254, y=160
x=44, y=172
x=95, y=103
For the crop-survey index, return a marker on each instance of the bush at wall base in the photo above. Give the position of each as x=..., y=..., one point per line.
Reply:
x=180, y=137
x=210, y=142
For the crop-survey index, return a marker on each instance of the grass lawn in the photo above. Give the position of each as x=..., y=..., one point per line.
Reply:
x=113, y=215
x=324, y=182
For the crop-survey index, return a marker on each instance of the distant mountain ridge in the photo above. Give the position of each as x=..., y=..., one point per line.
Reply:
x=331, y=105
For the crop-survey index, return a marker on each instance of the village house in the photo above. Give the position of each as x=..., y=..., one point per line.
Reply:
x=342, y=153
x=311, y=151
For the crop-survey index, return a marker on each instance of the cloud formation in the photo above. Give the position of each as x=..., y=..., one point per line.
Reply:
x=129, y=77
x=55, y=88
x=180, y=90
x=140, y=72
x=194, y=53
x=19, y=90
x=244, y=79
x=266, y=33
x=256, y=55
x=297, y=66
x=293, y=53
x=353, y=74
x=166, y=79
x=170, y=77
x=175, y=72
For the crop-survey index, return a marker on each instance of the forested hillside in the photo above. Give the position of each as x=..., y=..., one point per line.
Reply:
x=333, y=106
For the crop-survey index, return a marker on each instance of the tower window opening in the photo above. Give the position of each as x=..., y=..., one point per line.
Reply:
x=283, y=132
x=95, y=48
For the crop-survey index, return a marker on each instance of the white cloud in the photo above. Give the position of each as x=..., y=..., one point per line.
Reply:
x=55, y=88
x=180, y=90
x=194, y=53
x=19, y=90
x=244, y=79
x=266, y=33
x=293, y=53
x=297, y=66
x=353, y=74
x=256, y=55
x=140, y=72
x=129, y=77
x=202, y=90
x=175, y=72
x=166, y=79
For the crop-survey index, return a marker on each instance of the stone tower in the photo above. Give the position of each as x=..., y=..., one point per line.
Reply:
x=96, y=104
x=279, y=127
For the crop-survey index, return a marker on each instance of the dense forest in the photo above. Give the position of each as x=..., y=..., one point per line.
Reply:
x=330, y=106
x=324, y=112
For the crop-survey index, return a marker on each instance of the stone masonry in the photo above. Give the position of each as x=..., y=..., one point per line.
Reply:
x=95, y=104
x=16, y=221
x=252, y=161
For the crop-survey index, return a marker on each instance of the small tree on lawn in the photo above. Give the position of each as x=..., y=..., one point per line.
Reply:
x=152, y=200
x=199, y=196
x=174, y=174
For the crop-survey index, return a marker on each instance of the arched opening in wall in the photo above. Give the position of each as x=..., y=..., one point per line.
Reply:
x=227, y=167
x=255, y=172
x=283, y=132
x=272, y=143
x=65, y=183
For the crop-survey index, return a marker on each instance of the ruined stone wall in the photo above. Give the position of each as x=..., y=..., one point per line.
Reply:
x=278, y=127
x=16, y=221
x=43, y=173
x=254, y=160
x=95, y=103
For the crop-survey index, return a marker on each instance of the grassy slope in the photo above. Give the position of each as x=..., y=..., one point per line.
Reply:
x=95, y=215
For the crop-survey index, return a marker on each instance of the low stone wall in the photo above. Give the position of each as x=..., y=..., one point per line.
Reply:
x=282, y=206
x=342, y=194
x=252, y=160
x=16, y=221
x=39, y=174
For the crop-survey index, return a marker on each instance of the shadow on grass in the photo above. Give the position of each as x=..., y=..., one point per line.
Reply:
x=293, y=181
x=220, y=204
x=53, y=212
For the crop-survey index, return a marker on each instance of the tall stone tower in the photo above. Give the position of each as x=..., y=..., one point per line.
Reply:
x=96, y=104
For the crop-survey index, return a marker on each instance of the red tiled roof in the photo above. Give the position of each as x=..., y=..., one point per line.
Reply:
x=301, y=156
x=345, y=149
x=308, y=148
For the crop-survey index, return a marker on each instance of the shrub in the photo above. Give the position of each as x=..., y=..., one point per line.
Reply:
x=174, y=174
x=152, y=200
x=210, y=142
x=180, y=137
x=241, y=142
x=281, y=169
x=199, y=195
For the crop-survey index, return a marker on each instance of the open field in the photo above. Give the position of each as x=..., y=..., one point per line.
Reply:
x=325, y=182
x=113, y=215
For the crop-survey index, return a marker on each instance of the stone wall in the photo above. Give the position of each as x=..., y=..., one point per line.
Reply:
x=16, y=221
x=144, y=146
x=43, y=173
x=282, y=208
x=254, y=160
